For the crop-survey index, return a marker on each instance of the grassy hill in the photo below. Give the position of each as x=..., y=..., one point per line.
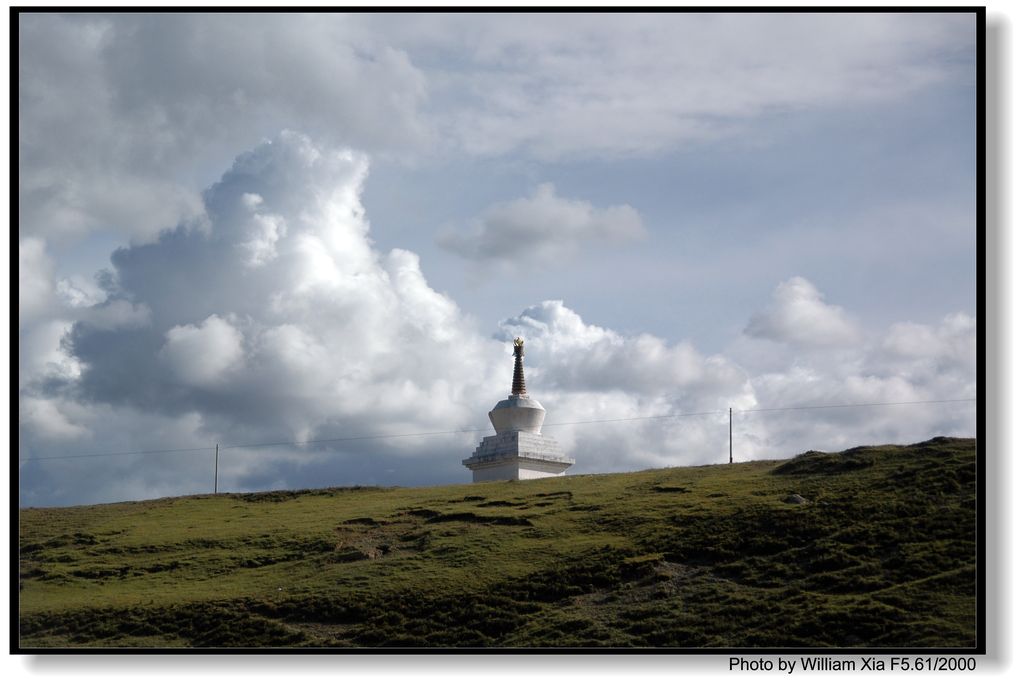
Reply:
x=881, y=552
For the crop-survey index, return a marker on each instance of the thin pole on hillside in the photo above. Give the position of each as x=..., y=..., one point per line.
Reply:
x=216, y=466
x=730, y=434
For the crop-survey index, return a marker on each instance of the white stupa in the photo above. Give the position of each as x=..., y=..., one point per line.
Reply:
x=518, y=450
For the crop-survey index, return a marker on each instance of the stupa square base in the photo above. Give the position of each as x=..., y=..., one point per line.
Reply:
x=516, y=468
x=517, y=455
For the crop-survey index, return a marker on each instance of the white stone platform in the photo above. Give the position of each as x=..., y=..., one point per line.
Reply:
x=517, y=454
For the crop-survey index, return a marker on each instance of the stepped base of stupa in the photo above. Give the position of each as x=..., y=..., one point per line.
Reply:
x=517, y=455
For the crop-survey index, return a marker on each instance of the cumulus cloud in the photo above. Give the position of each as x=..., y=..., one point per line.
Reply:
x=35, y=279
x=321, y=318
x=147, y=100
x=77, y=291
x=843, y=365
x=46, y=418
x=852, y=381
x=328, y=337
x=42, y=356
x=266, y=230
x=201, y=355
x=541, y=228
x=945, y=354
x=577, y=357
x=798, y=315
x=589, y=373
x=954, y=341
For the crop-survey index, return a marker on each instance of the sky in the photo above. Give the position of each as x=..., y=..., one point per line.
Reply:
x=251, y=229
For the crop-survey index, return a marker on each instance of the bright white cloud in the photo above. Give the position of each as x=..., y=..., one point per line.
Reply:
x=201, y=356
x=576, y=356
x=945, y=355
x=265, y=231
x=146, y=100
x=798, y=315
x=542, y=228
x=77, y=291
x=909, y=362
x=954, y=341
x=327, y=335
x=331, y=337
x=583, y=372
x=48, y=421
x=35, y=279
x=41, y=356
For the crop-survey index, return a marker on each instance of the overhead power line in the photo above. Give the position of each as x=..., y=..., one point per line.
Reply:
x=349, y=439
x=879, y=403
x=120, y=453
x=622, y=420
x=723, y=412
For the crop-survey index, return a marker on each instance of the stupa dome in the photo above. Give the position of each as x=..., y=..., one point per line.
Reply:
x=517, y=413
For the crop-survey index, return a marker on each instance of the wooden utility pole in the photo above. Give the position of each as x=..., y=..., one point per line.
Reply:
x=730, y=434
x=216, y=465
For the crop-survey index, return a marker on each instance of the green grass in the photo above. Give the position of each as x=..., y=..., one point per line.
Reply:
x=882, y=554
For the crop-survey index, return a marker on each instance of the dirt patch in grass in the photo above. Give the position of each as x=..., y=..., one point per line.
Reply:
x=473, y=518
x=665, y=488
